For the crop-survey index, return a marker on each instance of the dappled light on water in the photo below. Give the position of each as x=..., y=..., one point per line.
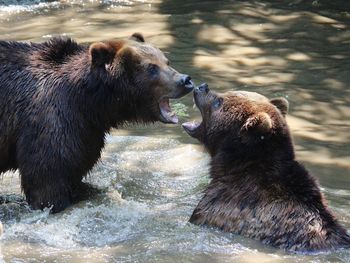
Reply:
x=151, y=177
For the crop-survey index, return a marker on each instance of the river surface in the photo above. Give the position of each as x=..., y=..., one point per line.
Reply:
x=151, y=177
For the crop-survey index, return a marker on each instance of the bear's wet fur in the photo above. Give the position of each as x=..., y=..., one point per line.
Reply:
x=257, y=188
x=59, y=99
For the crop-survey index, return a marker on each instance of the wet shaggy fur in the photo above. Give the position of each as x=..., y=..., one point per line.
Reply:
x=59, y=99
x=257, y=188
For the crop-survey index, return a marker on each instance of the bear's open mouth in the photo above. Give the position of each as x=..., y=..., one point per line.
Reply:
x=166, y=113
x=191, y=126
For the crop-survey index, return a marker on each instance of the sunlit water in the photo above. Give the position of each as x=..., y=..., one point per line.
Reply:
x=152, y=177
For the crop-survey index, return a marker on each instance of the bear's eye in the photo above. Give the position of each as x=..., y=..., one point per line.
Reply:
x=153, y=69
x=217, y=103
x=168, y=62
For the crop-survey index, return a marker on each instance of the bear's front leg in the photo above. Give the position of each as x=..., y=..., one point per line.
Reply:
x=51, y=164
x=46, y=190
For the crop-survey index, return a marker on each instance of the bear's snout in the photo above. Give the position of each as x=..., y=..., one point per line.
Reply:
x=203, y=88
x=200, y=95
x=186, y=81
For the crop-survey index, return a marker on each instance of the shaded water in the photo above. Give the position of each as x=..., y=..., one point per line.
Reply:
x=152, y=177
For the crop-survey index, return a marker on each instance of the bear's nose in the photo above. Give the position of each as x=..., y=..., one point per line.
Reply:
x=186, y=80
x=204, y=88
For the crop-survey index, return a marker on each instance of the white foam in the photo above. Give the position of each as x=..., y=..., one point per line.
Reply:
x=89, y=225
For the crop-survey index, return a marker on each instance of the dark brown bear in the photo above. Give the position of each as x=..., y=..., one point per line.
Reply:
x=59, y=99
x=258, y=189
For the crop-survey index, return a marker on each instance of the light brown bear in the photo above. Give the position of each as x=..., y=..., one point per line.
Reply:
x=258, y=189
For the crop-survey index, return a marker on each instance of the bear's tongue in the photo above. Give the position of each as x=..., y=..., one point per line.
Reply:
x=167, y=115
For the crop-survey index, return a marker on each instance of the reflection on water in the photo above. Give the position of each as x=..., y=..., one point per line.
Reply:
x=151, y=177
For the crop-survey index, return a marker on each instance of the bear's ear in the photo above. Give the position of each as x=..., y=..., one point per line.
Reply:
x=281, y=104
x=129, y=57
x=137, y=37
x=101, y=53
x=260, y=123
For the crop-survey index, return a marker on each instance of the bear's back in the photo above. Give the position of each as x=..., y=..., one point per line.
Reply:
x=56, y=50
x=34, y=77
x=288, y=213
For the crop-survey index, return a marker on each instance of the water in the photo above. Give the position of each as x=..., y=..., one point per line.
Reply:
x=152, y=177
